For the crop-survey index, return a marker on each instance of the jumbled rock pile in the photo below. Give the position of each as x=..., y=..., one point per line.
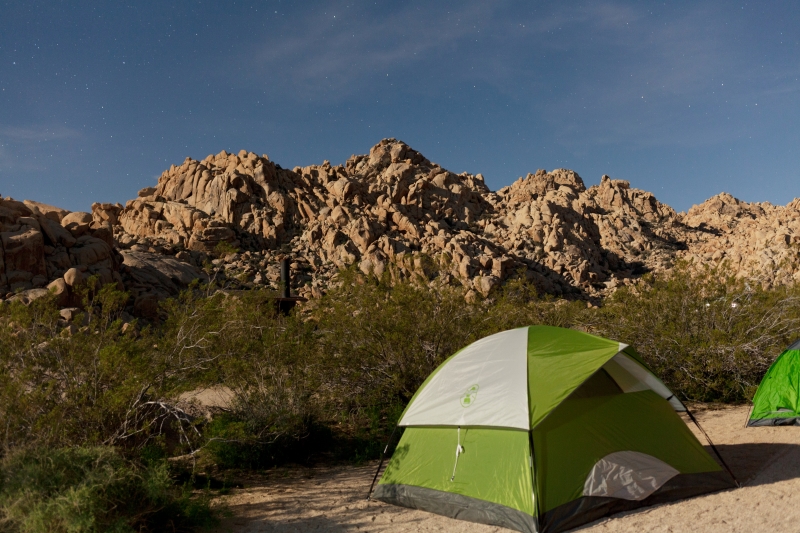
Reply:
x=238, y=213
x=392, y=205
x=47, y=248
x=758, y=240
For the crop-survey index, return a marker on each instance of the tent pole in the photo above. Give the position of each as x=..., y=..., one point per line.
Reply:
x=533, y=480
x=383, y=456
x=750, y=412
x=696, y=423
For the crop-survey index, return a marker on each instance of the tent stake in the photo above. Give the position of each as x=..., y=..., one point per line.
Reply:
x=383, y=456
x=696, y=423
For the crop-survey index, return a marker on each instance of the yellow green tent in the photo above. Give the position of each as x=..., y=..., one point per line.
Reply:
x=543, y=429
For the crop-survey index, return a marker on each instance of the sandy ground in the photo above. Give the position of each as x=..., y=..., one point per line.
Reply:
x=219, y=396
x=765, y=460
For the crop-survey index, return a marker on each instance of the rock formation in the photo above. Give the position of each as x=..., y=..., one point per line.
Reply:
x=237, y=213
x=757, y=240
x=44, y=246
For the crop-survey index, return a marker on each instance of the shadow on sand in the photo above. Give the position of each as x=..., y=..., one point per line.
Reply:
x=761, y=463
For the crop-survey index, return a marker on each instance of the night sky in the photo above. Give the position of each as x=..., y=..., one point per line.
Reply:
x=684, y=99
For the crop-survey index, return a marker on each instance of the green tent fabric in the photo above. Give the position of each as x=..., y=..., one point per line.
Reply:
x=777, y=400
x=544, y=429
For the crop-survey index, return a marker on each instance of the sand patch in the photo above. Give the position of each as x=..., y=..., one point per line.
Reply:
x=766, y=460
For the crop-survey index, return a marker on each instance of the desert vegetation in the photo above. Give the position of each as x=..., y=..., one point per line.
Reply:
x=95, y=435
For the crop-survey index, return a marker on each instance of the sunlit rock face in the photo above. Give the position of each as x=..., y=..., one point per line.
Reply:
x=391, y=210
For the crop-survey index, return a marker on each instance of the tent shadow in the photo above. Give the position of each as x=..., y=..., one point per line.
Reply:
x=761, y=463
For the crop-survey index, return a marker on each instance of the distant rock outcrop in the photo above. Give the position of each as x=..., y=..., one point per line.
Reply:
x=390, y=207
x=757, y=240
x=44, y=246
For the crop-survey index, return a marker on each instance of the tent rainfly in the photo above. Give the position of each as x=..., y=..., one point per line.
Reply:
x=777, y=400
x=544, y=429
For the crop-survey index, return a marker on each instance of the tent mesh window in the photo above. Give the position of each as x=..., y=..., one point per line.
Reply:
x=599, y=384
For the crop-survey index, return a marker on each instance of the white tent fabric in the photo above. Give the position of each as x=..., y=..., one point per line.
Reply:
x=486, y=384
x=633, y=377
x=628, y=475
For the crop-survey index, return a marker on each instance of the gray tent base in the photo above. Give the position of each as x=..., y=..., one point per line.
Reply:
x=562, y=518
x=455, y=506
x=591, y=508
x=761, y=422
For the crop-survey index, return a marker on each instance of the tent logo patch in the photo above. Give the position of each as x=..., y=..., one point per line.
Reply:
x=468, y=398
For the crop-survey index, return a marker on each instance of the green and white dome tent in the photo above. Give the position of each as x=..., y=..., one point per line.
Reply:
x=543, y=429
x=777, y=400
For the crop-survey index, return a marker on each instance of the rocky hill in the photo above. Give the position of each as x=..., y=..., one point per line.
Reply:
x=392, y=208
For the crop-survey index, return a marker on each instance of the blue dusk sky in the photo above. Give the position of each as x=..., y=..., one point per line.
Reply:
x=684, y=99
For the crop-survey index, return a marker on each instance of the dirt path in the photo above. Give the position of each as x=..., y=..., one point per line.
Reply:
x=766, y=461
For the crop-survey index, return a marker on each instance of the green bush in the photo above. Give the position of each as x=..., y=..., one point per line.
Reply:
x=708, y=335
x=331, y=379
x=233, y=442
x=101, y=386
x=378, y=341
x=224, y=248
x=95, y=489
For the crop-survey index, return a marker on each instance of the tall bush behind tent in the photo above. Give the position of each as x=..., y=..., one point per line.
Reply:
x=710, y=336
x=378, y=342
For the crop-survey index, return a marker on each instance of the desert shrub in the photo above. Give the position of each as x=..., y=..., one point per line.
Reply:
x=268, y=363
x=234, y=442
x=708, y=335
x=98, y=385
x=332, y=379
x=518, y=305
x=92, y=489
x=54, y=389
x=224, y=248
x=378, y=341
